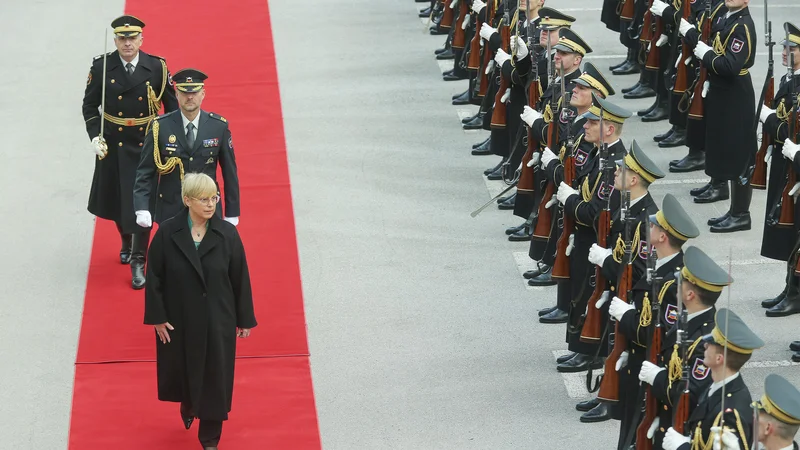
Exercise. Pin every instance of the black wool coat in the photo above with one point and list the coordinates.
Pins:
(205, 295)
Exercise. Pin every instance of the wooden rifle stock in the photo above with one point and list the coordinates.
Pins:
(647, 26)
(561, 264)
(681, 413)
(545, 217)
(474, 60)
(592, 330)
(759, 180)
(697, 107)
(651, 404)
(609, 387)
(526, 179)
(499, 118)
(628, 10)
(786, 215)
(483, 81)
(447, 17)
(682, 74)
(654, 55)
(459, 35)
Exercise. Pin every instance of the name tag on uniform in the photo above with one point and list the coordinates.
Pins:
(171, 147)
(211, 142)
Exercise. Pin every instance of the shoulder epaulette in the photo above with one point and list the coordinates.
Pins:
(218, 117)
(166, 115)
(156, 56)
(100, 56)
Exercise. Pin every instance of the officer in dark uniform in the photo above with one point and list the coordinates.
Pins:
(699, 287)
(778, 414)
(776, 124)
(137, 84)
(670, 229)
(728, 419)
(186, 141)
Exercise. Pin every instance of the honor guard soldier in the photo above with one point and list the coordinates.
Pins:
(136, 86)
(778, 414)
(189, 140)
(670, 229)
(724, 412)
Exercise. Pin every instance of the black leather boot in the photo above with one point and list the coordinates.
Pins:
(617, 66)
(543, 279)
(631, 65)
(540, 269)
(695, 160)
(770, 302)
(483, 150)
(462, 98)
(580, 363)
(546, 311)
(643, 91)
(565, 358)
(426, 12)
(676, 139)
(718, 191)
(481, 143)
(447, 54)
(125, 250)
(524, 234)
(555, 316)
(659, 112)
(478, 115)
(739, 218)
(788, 306)
(600, 413)
(512, 230)
(628, 89)
(662, 136)
(138, 258)
(694, 192)
(587, 405)
(475, 124)
(508, 204)
(495, 168)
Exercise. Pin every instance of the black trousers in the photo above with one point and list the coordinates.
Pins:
(209, 432)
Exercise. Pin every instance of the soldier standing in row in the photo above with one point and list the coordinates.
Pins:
(137, 84)
(778, 414)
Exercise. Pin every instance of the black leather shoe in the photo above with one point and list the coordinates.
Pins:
(661, 137)
(505, 199)
(544, 279)
(770, 302)
(522, 235)
(546, 311)
(796, 357)
(660, 112)
(564, 358)
(462, 99)
(694, 192)
(617, 66)
(676, 139)
(634, 87)
(481, 152)
(472, 118)
(125, 251)
(187, 417)
(629, 68)
(495, 168)
(425, 12)
(646, 111)
(689, 163)
(558, 316)
(587, 405)
(496, 175)
(480, 144)
(512, 230)
(137, 274)
(598, 414)
(788, 306)
(794, 346)
(475, 124)
(580, 363)
(738, 222)
(715, 193)
(437, 31)
(715, 220)
(642, 91)
(447, 54)
(441, 50)
(540, 269)
(454, 77)
(508, 204)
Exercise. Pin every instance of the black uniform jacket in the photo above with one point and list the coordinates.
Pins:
(737, 415)
(212, 145)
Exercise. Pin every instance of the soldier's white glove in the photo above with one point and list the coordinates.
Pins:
(477, 6)
(487, 31)
(790, 149)
(529, 115)
(99, 146)
(622, 361)
(673, 440)
(602, 300)
(701, 49)
(653, 427)
(768, 154)
(500, 57)
(571, 245)
(506, 95)
(597, 254)
(489, 67)
(465, 22)
(232, 220)
(794, 190)
(658, 8)
(453, 4)
(649, 372)
(565, 192)
(143, 219)
(619, 307)
(553, 201)
(684, 27)
(519, 46)
(547, 157)
(724, 439)
(706, 85)
(662, 40)
(534, 159)
(766, 111)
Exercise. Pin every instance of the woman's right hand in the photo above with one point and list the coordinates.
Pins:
(161, 331)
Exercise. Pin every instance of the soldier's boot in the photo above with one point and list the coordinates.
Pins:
(694, 160)
(790, 303)
(770, 302)
(125, 250)
(717, 191)
(138, 258)
(739, 215)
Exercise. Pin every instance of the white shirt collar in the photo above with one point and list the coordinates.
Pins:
(134, 61)
(695, 314)
(636, 200)
(196, 123)
(790, 447)
(661, 261)
(717, 385)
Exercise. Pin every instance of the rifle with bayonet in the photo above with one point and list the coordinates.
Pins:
(460, 35)
(697, 108)
(561, 264)
(756, 169)
(682, 344)
(474, 60)
(527, 182)
(499, 117)
(682, 69)
(484, 80)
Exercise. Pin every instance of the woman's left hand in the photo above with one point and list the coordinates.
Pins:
(243, 332)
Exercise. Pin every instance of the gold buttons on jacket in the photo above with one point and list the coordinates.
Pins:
(161, 195)
(120, 114)
(112, 80)
(191, 159)
(140, 98)
(141, 128)
(140, 144)
(141, 114)
(119, 98)
(120, 144)
(120, 128)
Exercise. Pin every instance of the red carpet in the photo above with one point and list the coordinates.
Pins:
(115, 405)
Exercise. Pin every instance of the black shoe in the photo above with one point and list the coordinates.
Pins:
(643, 91)
(496, 175)
(716, 220)
(796, 357)
(770, 302)
(738, 222)
(475, 124)
(689, 163)
(715, 193)
(629, 68)
(447, 54)
(617, 66)
(661, 137)
(546, 311)
(544, 279)
(794, 346)
(438, 31)
(790, 305)
(425, 12)
(556, 316)
(125, 251)
(508, 204)
(454, 76)
(495, 168)
(564, 358)
(579, 363)
(512, 230)
(462, 99)
(505, 199)
(660, 112)
(587, 405)
(187, 417)
(481, 152)
(472, 118)
(481, 144)
(598, 414)
(677, 139)
(139, 245)
(441, 50)
(697, 191)
(137, 274)
(540, 269)
(632, 88)
(522, 235)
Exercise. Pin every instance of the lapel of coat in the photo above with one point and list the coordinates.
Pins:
(182, 237)
(211, 239)
(177, 119)
(143, 71)
(115, 71)
(201, 132)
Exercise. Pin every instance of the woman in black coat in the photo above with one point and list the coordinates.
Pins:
(198, 298)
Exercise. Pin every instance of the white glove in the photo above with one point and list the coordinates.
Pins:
(701, 49)
(684, 27)
(534, 159)
(506, 95)
(619, 307)
(662, 40)
(794, 190)
(724, 439)
(547, 157)
(553, 201)
(571, 245)
(768, 154)
(790, 149)
(653, 427)
(232, 220)
(706, 85)
(766, 111)
(489, 67)
(649, 372)
(673, 440)
(658, 8)
(465, 22)
(143, 219)
(453, 4)
(622, 361)
(500, 57)
(519, 46)
(529, 115)
(477, 6)
(565, 192)
(602, 300)
(597, 254)
(99, 146)
(487, 31)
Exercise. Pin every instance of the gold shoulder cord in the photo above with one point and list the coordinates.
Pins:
(697, 441)
(164, 169)
(619, 248)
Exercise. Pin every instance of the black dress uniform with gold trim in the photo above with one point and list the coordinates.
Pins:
(132, 102)
(167, 156)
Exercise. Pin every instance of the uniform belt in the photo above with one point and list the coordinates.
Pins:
(128, 122)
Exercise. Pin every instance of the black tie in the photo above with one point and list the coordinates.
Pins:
(130, 68)
(190, 134)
